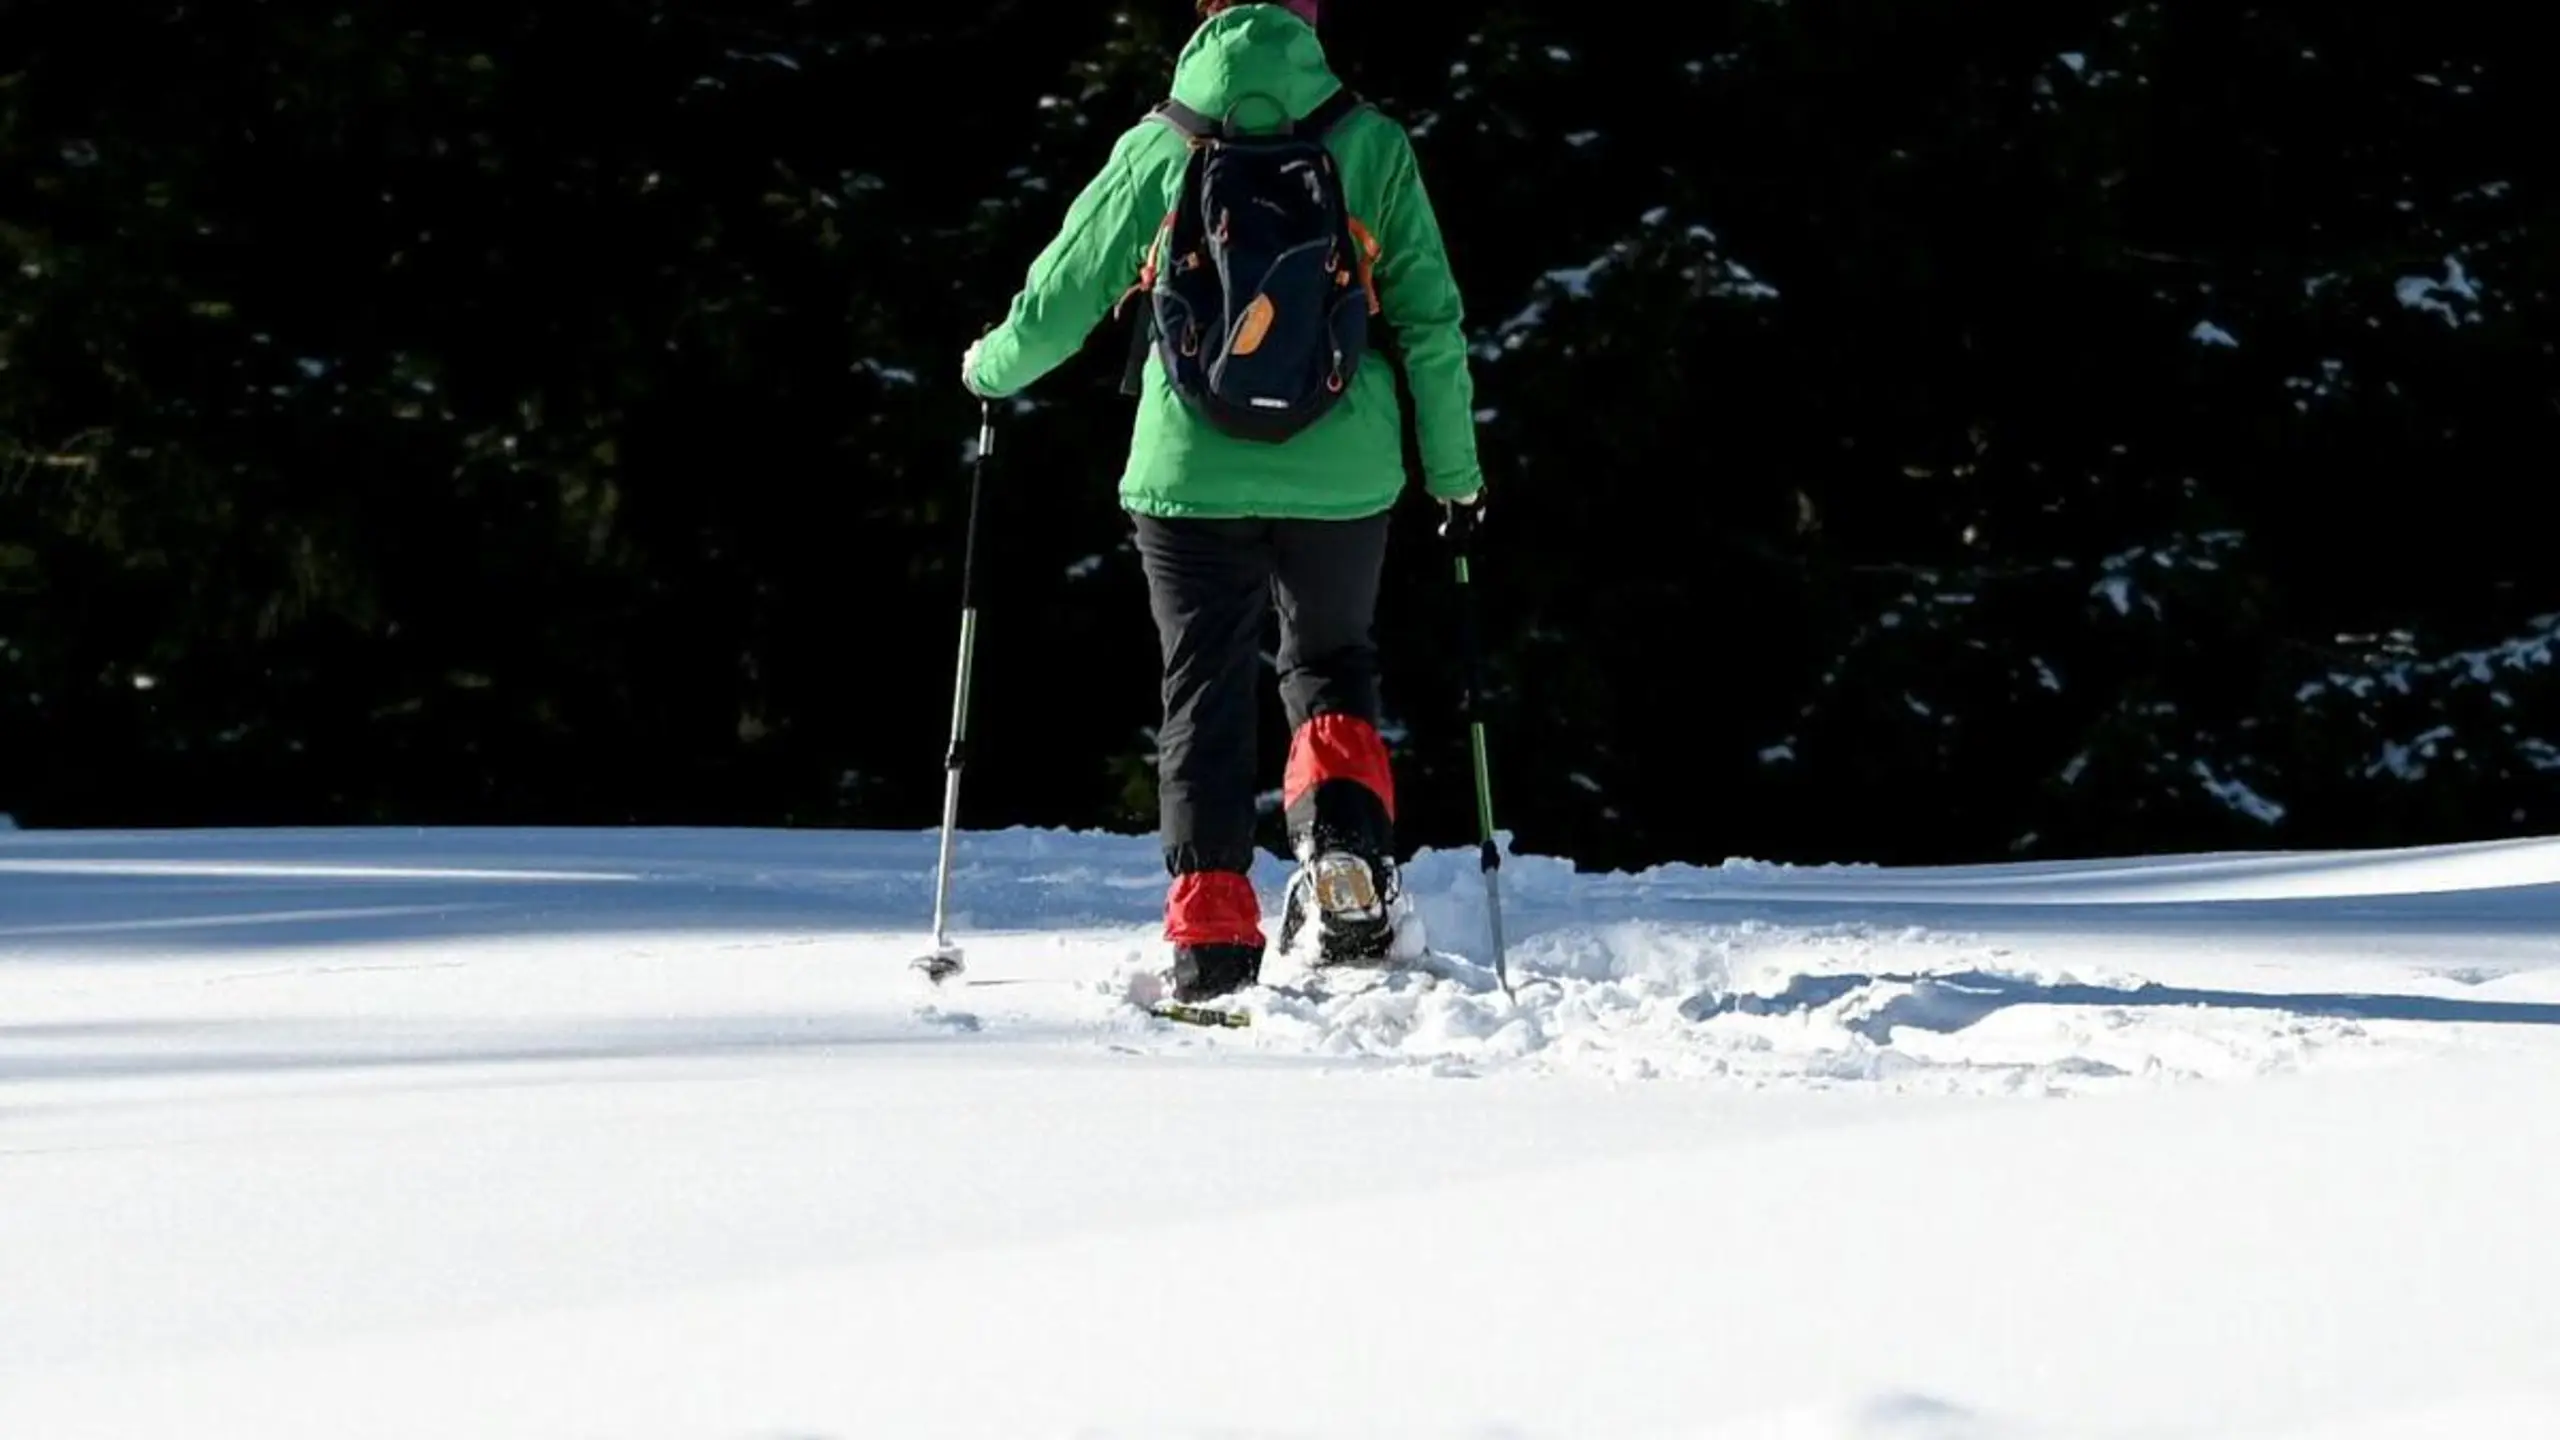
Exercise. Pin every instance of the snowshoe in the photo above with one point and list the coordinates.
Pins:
(1202, 985)
(1212, 1016)
(1205, 972)
(1357, 912)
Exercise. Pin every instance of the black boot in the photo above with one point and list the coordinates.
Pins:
(1205, 972)
(1352, 900)
(1345, 886)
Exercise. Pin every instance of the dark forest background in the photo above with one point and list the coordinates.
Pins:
(1916, 431)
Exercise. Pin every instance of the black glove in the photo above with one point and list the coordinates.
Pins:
(1460, 519)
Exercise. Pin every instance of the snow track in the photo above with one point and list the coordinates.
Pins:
(1956, 995)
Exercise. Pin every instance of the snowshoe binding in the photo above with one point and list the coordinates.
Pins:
(1205, 975)
(1357, 911)
(1207, 972)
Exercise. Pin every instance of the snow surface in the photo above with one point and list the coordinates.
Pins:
(652, 1134)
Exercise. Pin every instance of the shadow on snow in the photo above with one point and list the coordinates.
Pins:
(135, 1049)
(1948, 1002)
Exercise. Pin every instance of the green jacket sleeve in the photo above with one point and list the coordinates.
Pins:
(1074, 281)
(1419, 297)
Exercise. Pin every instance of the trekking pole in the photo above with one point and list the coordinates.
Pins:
(1460, 528)
(945, 960)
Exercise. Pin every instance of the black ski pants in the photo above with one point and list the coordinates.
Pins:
(1213, 586)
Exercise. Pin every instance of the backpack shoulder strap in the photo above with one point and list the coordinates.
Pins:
(1314, 125)
(1337, 108)
(1193, 127)
(1191, 123)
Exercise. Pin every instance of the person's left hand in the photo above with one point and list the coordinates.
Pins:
(1461, 517)
(969, 368)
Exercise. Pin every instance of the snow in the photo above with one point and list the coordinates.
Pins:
(2200, 551)
(2483, 665)
(1740, 283)
(1575, 280)
(2238, 795)
(1717, 275)
(652, 1134)
(2392, 664)
(2423, 292)
(2208, 333)
(2408, 760)
(2332, 375)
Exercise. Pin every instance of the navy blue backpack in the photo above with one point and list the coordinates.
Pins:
(1259, 285)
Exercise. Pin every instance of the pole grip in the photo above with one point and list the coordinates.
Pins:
(977, 488)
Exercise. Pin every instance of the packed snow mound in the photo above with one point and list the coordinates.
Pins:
(1764, 975)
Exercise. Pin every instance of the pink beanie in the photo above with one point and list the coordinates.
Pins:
(1303, 9)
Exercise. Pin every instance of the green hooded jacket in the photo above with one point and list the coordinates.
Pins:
(1348, 464)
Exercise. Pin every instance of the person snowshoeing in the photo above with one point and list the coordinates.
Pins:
(1265, 459)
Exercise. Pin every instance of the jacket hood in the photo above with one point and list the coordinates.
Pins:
(1251, 62)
